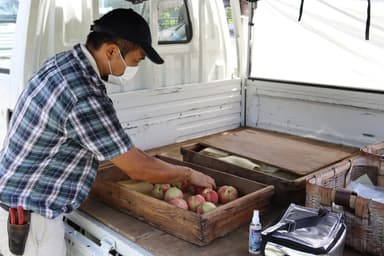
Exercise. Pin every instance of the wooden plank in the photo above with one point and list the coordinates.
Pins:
(292, 153)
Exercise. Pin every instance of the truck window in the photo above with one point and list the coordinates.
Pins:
(174, 22)
(228, 13)
(8, 14)
(107, 5)
(174, 25)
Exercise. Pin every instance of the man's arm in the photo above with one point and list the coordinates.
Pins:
(141, 166)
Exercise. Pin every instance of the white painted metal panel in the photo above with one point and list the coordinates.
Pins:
(339, 116)
(163, 116)
(79, 243)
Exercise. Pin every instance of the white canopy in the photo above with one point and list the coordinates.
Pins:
(328, 46)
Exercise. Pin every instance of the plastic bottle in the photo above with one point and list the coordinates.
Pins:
(255, 234)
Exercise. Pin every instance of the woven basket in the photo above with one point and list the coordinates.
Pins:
(376, 151)
(364, 217)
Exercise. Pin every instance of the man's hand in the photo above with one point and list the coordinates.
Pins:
(141, 166)
(200, 179)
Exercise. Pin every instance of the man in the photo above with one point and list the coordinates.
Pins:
(64, 124)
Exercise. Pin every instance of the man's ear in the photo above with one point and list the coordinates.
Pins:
(110, 49)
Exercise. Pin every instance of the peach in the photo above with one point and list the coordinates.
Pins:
(179, 202)
(194, 201)
(173, 193)
(205, 207)
(159, 190)
(210, 195)
(227, 193)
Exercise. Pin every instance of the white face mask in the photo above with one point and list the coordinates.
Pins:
(128, 74)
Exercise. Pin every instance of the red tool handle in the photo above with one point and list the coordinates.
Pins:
(12, 215)
(20, 214)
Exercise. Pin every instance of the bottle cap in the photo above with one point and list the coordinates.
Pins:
(255, 218)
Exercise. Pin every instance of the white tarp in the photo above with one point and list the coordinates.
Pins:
(327, 46)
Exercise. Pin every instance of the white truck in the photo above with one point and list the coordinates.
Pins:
(228, 64)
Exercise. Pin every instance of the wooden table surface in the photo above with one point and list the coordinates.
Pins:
(163, 244)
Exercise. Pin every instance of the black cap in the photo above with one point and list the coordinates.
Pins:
(128, 25)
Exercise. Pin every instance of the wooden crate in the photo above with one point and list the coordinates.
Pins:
(295, 157)
(364, 216)
(190, 226)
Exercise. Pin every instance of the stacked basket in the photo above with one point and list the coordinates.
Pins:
(364, 217)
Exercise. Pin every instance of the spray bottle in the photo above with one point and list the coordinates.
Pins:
(255, 234)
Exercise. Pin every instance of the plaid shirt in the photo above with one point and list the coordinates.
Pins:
(63, 125)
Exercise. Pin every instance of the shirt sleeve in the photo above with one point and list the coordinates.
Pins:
(94, 124)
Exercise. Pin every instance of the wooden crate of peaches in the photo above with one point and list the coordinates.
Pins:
(195, 214)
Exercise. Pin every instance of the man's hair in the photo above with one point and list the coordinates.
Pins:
(96, 39)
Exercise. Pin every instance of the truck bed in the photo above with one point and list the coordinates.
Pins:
(158, 242)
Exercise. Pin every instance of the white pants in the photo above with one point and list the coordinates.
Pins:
(46, 236)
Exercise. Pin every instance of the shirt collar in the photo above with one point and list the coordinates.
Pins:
(90, 58)
(89, 65)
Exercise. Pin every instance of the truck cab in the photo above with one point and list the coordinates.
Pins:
(312, 70)
(199, 60)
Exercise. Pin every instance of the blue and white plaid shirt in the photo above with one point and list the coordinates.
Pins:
(63, 125)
